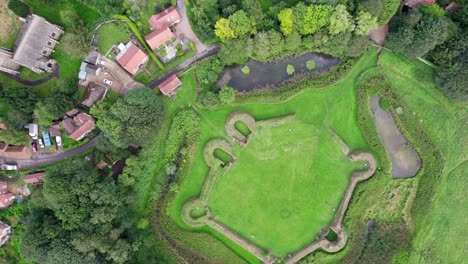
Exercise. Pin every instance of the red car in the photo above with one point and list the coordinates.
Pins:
(34, 146)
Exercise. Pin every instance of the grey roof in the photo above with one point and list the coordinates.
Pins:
(36, 41)
(92, 57)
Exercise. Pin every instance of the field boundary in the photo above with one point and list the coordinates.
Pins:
(217, 168)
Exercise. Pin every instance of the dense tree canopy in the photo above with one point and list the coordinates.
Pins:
(80, 221)
(286, 19)
(340, 21)
(132, 120)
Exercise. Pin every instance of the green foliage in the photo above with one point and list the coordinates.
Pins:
(50, 109)
(209, 99)
(310, 64)
(245, 70)
(208, 71)
(286, 19)
(14, 137)
(236, 51)
(180, 53)
(357, 45)
(223, 30)
(432, 10)
(164, 53)
(19, 8)
(241, 24)
(21, 101)
(290, 69)
(374, 7)
(227, 95)
(340, 21)
(81, 223)
(389, 10)
(312, 18)
(414, 36)
(132, 120)
(143, 224)
(365, 23)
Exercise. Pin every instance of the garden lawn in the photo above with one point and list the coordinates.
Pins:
(112, 34)
(283, 188)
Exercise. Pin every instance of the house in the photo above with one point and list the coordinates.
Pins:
(35, 43)
(34, 178)
(72, 112)
(160, 24)
(89, 66)
(3, 187)
(55, 129)
(131, 57)
(157, 38)
(79, 126)
(170, 86)
(5, 232)
(6, 199)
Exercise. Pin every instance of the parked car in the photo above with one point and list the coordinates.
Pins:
(41, 143)
(34, 147)
(58, 140)
(107, 82)
(9, 167)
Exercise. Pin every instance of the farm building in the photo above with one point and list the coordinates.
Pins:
(131, 57)
(34, 178)
(79, 126)
(160, 24)
(170, 85)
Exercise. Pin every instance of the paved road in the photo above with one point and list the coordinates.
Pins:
(208, 52)
(35, 162)
(54, 74)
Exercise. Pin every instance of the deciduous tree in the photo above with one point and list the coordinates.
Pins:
(286, 19)
(365, 23)
(340, 21)
(223, 30)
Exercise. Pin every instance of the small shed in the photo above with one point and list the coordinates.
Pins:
(170, 86)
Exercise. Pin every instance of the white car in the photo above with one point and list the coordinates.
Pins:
(107, 82)
(58, 140)
(102, 62)
(8, 167)
(41, 143)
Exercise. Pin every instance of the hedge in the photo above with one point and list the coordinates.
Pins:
(19, 8)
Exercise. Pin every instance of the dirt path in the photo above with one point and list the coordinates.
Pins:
(379, 35)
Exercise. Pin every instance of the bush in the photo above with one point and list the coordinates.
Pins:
(310, 64)
(143, 224)
(192, 46)
(290, 69)
(227, 95)
(245, 70)
(209, 99)
(180, 53)
(19, 8)
(163, 53)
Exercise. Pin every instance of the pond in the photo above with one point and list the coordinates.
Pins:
(274, 74)
(405, 160)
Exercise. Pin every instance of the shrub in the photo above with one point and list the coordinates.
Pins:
(290, 69)
(192, 45)
(179, 46)
(143, 224)
(19, 8)
(209, 99)
(227, 95)
(245, 70)
(163, 53)
(180, 53)
(310, 64)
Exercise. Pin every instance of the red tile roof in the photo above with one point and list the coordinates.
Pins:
(170, 85)
(81, 118)
(68, 125)
(6, 200)
(55, 130)
(3, 187)
(72, 112)
(159, 37)
(34, 178)
(12, 151)
(82, 130)
(164, 19)
(132, 58)
(102, 164)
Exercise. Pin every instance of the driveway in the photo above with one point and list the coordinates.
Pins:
(36, 162)
(184, 30)
(126, 81)
(54, 74)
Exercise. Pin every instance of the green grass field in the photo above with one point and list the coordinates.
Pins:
(283, 187)
(442, 232)
(112, 34)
